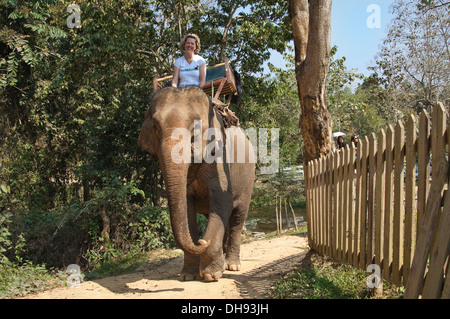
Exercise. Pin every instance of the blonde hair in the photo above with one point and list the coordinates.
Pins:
(193, 36)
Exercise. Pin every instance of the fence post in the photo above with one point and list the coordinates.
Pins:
(398, 204)
(363, 199)
(423, 180)
(371, 199)
(410, 198)
(345, 224)
(330, 203)
(379, 199)
(351, 203)
(356, 229)
(336, 204)
(389, 204)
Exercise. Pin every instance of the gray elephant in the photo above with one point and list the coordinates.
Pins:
(220, 188)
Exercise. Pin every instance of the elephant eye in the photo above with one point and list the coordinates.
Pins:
(156, 125)
(155, 122)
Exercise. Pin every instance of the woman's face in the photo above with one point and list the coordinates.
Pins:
(190, 45)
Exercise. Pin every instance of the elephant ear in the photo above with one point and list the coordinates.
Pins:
(148, 135)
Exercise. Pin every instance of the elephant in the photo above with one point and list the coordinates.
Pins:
(220, 189)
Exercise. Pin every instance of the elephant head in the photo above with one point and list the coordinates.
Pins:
(173, 109)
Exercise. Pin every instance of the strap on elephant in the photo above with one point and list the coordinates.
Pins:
(228, 116)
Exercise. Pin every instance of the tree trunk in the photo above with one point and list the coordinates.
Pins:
(293, 215)
(311, 26)
(106, 224)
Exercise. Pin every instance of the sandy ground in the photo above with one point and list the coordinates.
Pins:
(262, 262)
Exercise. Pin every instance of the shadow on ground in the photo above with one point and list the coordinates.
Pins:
(157, 276)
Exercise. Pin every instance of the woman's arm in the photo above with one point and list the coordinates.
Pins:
(176, 74)
(202, 77)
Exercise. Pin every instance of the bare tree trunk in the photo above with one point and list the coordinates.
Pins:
(106, 223)
(276, 214)
(281, 217)
(288, 224)
(311, 25)
(293, 215)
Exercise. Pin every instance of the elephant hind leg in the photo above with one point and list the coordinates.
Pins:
(232, 243)
(230, 263)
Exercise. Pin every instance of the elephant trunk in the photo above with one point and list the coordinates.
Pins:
(175, 179)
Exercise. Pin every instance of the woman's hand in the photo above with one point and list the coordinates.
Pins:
(176, 74)
(202, 77)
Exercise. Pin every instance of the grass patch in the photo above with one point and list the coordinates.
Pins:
(130, 263)
(321, 278)
(20, 280)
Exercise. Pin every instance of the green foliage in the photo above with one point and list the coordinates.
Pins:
(18, 280)
(19, 276)
(5, 242)
(149, 229)
(354, 112)
(320, 283)
(154, 230)
(412, 64)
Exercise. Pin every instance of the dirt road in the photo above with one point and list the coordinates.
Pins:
(263, 261)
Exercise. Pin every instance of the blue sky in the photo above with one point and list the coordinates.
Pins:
(350, 32)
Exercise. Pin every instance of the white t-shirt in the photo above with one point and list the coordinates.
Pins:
(189, 73)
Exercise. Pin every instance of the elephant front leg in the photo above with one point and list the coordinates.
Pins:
(191, 264)
(212, 261)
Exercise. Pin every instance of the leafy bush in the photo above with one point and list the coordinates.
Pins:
(153, 229)
(76, 233)
(19, 276)
(18, 279)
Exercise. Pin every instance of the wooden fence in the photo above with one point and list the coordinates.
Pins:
(381, 204)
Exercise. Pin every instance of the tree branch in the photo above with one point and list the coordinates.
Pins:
(225, 32)
(299, 14)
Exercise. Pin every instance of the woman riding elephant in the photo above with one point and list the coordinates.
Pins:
(190, 69)
(220, 189)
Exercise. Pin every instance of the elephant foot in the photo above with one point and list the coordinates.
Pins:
(233, 265)
(189, 274)
(211, 276)
(213, 270)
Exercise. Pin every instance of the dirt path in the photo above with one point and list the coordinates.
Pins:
(263, 261)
